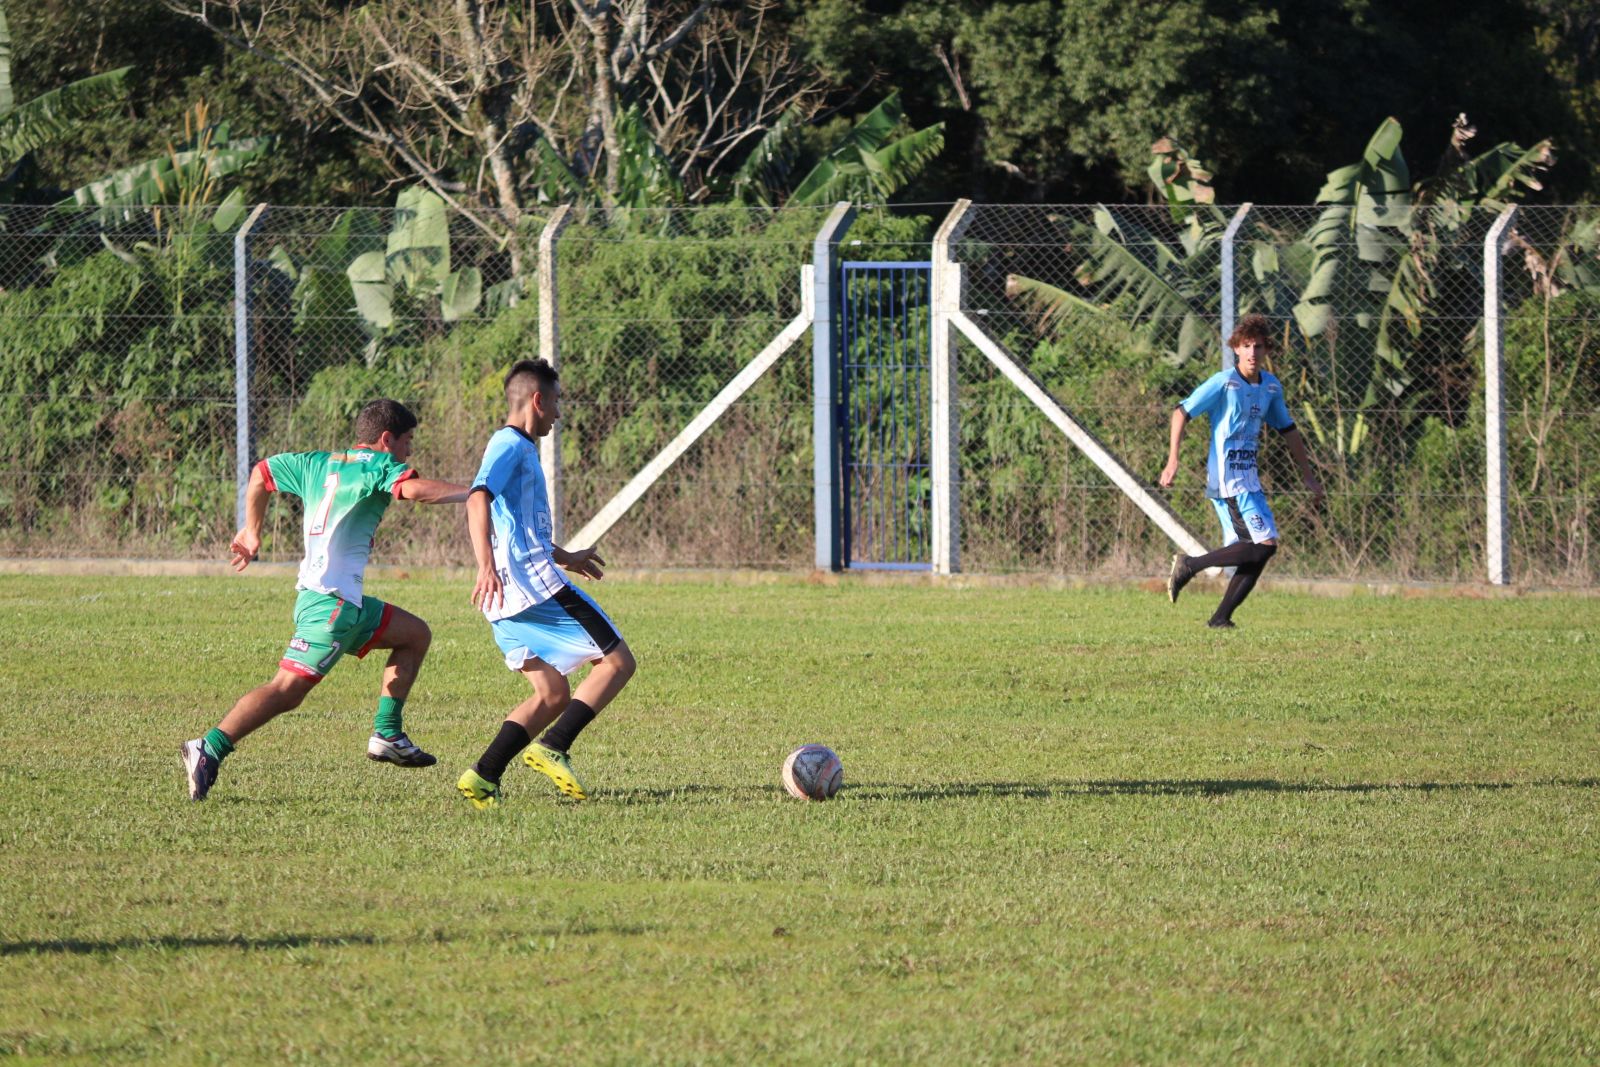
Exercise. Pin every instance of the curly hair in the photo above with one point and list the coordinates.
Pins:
(1257, 328)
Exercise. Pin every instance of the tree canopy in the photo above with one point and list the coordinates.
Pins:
(1037, 99)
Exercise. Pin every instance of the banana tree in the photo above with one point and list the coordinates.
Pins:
(46, 119)
(382, 288)
(187, 175)
(1131, 269)
(1392, 295)
(873, 161)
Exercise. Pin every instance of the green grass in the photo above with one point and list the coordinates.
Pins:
(1078, 826)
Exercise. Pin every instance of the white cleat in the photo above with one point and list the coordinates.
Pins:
(400, 751)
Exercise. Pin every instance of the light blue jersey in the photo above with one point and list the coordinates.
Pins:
(1236, 409)
(519, 513)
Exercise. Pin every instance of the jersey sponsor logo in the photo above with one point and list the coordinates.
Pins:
(299, 644)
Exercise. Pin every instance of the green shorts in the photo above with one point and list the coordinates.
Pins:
(326, 627)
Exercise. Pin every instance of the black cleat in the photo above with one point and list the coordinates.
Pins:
(1178, 577)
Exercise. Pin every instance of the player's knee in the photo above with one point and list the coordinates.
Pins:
(417, 637)
(553, 692)
(622, 661)
(1268, 550)
(290, 690)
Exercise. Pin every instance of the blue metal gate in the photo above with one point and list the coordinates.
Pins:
(885, 329)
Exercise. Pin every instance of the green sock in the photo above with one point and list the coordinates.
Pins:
(387, 721)
(217, 744)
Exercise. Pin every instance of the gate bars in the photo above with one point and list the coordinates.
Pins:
(819, 283)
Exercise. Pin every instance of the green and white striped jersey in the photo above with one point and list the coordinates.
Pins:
(345, 495)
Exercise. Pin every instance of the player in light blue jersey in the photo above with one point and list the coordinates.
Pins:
(1237, 402)
(545, 627)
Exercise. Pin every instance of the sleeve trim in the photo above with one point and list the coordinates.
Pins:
(266, 476)
(410, 473)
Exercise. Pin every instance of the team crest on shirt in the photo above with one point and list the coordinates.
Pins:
(299, 644)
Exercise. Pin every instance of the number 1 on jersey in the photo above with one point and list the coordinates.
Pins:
(330, 486)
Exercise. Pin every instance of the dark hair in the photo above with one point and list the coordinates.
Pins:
(526, 377)
(1257, 328)
(381, 415)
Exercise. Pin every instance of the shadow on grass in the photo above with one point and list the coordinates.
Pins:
(1198, 787)
(690, 793)
(74, 947)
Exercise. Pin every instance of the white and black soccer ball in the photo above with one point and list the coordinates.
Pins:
(812, 772)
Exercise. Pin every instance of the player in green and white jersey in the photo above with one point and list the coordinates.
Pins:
(345, 495)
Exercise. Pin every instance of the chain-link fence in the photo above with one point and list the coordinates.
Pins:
(119, 335)
(116, 346)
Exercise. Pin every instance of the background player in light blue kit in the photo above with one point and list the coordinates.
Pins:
(1237, 402)
(545, 627)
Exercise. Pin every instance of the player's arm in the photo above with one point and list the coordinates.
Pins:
(246, 544)
(430, 491)
(585, 561)
(1302, 460)
(487, 592)
(1180, 419)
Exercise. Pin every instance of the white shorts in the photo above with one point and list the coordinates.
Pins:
(566, 631)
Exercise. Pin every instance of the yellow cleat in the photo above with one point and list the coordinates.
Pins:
(555, 766)
(478, 789)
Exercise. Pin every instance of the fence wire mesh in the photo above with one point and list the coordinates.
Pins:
(424, 306)
(659, 311)
(116, 331)
(1378, 316)
(1551, 299)
(117, 339)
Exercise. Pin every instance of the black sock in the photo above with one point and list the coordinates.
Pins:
(1238, 553)
(511, 739)
(566, 729)
(1244, 580)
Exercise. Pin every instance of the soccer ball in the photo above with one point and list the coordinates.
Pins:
(812, 772)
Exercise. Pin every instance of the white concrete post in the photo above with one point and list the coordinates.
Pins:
(946, 282)
(1494, 430)
(1230, 306)
(242, 336)
(825, 360)
(550, 351)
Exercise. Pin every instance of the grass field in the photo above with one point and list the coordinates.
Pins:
(1077, 826)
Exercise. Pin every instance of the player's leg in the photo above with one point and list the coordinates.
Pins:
(406, 637)
(585, 634)
(481, 782)
(522, 639)
(203, 756)
(603, 682)
(1251, 514)
(1184, 568)
(1239, 547)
